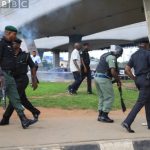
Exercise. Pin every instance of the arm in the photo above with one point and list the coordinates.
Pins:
(128, 72)
(76, 64)
(82, 62)
(34, 78)
(128, 67)
(116, 77)
(33, 72)
(112, 63)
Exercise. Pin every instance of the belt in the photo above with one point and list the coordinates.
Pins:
(102, 76)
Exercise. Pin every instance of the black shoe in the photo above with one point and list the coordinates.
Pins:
(71, 92)
(100, 114)
(4, 122)
(36, 115)
(26, 122)
(89, 92)
(104, 118)
(127, 127)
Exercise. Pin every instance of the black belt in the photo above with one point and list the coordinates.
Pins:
(102, 76)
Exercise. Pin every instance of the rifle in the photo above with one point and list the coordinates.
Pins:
(123, 106)
(3, 98)
(3, 92)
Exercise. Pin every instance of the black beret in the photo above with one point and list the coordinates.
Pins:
(11, 28)
(18, 41)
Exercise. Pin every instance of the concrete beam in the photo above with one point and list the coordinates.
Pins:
(147, 14)
(56, 59)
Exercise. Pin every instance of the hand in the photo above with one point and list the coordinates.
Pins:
(34, 83)
(2, 81)
(119, 84)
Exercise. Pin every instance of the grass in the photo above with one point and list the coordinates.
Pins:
(54, 95)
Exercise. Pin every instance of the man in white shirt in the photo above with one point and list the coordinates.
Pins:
(36, 59)
(75, 64)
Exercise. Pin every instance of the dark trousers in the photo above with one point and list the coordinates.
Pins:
(75, 85)
(144, 100)
(22, 83)
(88, 76)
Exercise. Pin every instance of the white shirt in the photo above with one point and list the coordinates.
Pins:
(36, 59)
(74, 56)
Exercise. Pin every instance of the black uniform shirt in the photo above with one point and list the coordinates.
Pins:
(23, 60)
(86, 58)
(140, 61)
(7, 58)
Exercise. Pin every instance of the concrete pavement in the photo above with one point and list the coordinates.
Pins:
(52, 131)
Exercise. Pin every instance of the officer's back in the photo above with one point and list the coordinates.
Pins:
(140, 61)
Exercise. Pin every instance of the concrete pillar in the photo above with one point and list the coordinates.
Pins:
(147, 14)
(72, 39)
(56, 59)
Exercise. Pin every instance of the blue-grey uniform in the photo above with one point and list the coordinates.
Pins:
(140, 62)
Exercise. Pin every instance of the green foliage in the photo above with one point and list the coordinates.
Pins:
(54, 95)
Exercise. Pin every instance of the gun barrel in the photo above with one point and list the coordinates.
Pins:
(3, 99)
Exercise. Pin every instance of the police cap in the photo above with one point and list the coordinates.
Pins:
(11, 28)
(18, 41)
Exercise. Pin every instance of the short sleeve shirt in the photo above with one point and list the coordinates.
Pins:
(140, 61)
(74, 56)
(36, 59)
(111, 60)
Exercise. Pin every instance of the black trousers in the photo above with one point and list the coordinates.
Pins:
(144, 100)
(22, 83)
(88, 76)
(75, 85)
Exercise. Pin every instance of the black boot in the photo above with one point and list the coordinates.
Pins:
(104, 118)
(26, 122)
(36, 114)
(4, 121)
(127, 127)
(100, 114)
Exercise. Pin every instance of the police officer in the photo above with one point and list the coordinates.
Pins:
(140, 62)
(85, 66)
(7, 64)
(106, 69)
(23, 61)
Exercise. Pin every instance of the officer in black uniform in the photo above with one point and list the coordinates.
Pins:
(85, 66)
(140, 62)
(23, 61)
(8, 64)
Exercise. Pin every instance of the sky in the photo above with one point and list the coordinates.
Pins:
(127, 52)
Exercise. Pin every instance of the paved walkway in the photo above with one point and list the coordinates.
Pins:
(68, 128)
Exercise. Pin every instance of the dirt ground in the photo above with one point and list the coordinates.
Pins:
(47, 113)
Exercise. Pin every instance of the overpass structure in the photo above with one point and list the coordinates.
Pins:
(76, 19)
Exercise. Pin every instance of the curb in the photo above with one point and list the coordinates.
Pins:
(97, 145)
